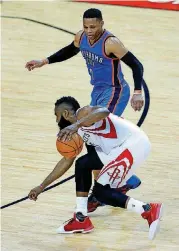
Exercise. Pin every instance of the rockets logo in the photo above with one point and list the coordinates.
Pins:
(115, 172)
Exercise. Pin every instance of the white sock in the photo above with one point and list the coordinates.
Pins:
(135, 206)
(81, 205)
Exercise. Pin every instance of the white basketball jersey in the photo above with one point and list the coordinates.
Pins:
(108, 133)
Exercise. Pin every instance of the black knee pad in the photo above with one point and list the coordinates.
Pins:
(109, 196)
(83, 174)
(80, 164)
(83, 169)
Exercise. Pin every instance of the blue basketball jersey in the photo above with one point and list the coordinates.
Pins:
(102, 69)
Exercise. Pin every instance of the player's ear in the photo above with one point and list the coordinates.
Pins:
(66, 114)
(102, 23)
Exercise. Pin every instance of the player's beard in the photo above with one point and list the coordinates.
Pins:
(63, 123)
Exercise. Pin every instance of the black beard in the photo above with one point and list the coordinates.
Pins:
(63, 123)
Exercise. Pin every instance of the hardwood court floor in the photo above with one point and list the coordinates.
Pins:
(29, 129)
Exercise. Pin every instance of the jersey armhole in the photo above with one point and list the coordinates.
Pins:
(82, 34)
(111, 56)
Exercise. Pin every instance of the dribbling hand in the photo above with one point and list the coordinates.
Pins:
(66, 133)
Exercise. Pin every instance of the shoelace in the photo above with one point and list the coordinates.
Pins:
(69, 221)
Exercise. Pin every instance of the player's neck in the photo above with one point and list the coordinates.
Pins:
(92, 41)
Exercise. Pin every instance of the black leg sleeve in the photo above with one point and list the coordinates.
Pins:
(83, 170)
(109, 196)
(83, 175)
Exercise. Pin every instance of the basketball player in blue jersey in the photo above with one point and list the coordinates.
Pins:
(103, 52)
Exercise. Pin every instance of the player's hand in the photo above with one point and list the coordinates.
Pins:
(35, 64)
(66, 133)
(35, 192)
(137, 101)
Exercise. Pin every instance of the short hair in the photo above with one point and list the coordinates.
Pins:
(93, 13)
(69, 101)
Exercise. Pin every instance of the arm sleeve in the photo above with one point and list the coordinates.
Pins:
(137, 69)
(65, 53)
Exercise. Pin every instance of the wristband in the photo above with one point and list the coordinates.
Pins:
(45, 61)
(137, 91)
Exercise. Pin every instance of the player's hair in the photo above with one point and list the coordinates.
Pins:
(69, 101)
(93, 13)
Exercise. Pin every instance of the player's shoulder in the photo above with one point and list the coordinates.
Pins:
(83, 111)
(78, 36)
(116, 118)
(112, 40)
(79, 33)
(113, 116)
(115, 46)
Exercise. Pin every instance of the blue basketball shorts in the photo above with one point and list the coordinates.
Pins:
(115, 98)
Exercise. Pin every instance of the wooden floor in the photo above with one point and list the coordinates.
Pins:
(29, 128)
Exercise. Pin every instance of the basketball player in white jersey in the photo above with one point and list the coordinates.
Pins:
(120, 147)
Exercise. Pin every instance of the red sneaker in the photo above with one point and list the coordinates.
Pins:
(75, 226)
(153, 216)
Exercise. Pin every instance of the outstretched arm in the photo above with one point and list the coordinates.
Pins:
(63, 54)
(61, 167)
(67, 52)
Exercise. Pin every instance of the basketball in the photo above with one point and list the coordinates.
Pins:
(70, 148)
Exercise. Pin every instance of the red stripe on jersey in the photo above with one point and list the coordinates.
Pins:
(112, 134)
(102, 127)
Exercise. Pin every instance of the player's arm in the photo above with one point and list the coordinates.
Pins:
(114, 46)
(67, 52)
(63, 54)
(86, 116)
(89, 115)
(61, 167)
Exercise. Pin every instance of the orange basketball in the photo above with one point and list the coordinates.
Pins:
(70, 148)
